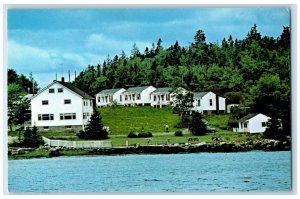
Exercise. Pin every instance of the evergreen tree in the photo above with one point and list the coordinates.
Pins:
(197, 126)
(274, 129)
(31, 138)
(94, 129)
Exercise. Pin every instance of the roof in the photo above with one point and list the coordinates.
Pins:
(136, 89)
(69, 86)
(75, 89)
(247, 117)
(199, 94)
(109, 91)
(163, 90)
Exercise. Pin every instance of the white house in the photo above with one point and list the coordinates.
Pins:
(108, 96)
(161, 97)
(138, 96)
(207, 102)
(61, 106)
(252, 123)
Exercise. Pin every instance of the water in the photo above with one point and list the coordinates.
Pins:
(198, 172)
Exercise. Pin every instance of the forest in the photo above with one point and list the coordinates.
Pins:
(254, 72)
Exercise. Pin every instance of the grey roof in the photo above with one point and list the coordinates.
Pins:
(69, 86)
(138, 89)
(247, 117)
(199, 94)
(109, 91)
(163, 90)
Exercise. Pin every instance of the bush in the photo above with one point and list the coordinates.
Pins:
(31, 138)
(132, 135)
(145, 134)
(178, 133)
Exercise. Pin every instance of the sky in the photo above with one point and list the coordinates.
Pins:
(46, 42)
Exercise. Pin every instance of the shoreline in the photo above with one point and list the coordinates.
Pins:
(214, 147)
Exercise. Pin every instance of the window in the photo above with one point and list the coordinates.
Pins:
(68, 127)
(60, 90)
(210, 102)
(84, 115)
(67, 116)
(264, 124)
(44, 102)
(199, 103)
(162, 98)
(67, 101)
(168, 97)
(126, 98)
(51, 90)
(154, 99)
(138, 96)
(110, 99)
(91, 103)
(45, 117)
(46, 128)
(98, 99)
(120, 98)
(245, 125)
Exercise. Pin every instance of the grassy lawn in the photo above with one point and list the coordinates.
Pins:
(122, 120)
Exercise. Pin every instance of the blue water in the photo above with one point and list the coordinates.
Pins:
(198, 172)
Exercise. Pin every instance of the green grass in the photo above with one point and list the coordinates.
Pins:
(218, 121)
(122, 120)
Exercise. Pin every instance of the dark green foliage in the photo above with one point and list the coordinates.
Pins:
(197, 125)
(31, 138)
(274, 130)
(145, 134)
(132, 135)
(94, 129)
(178, 133)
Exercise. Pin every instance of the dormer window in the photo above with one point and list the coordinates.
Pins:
(60, 90)
(51, 90)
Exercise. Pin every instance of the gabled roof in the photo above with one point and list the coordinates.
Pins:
(199, 94)
(163, 90)
(109, 91)
(138, 89)
(247, 117)
(68, 85)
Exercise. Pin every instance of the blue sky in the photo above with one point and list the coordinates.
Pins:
(50, 41)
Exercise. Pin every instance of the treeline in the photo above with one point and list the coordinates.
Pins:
(253, 72)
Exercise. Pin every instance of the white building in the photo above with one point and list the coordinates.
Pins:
(61, 106)
(206, 103)
(108, 96)
(252, 123)
(161, 97)
(138, 96)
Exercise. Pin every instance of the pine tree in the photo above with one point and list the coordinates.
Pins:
(94, 129)
(31, 138)
(197, 126)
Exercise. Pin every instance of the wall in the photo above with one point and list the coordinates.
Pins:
(77, 144)
(255, 123)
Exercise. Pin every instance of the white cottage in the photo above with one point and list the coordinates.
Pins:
(61, 106)
(138, 96)
(207, 102)
(108, 96)
(252, 123)
(161, 97)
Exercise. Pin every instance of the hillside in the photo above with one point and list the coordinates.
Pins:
(122, 120)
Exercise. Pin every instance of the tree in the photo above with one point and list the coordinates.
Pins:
(17, 105)
(94, 129)
(197, 126)
(183, 101)
(274, 129)
(31, 138)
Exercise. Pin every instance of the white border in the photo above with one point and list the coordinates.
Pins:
(161, 3)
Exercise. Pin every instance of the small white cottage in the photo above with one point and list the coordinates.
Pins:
(138, 96)
(108, 96)
(252, 123)
(161, 97)
(61, 106)
(207, 102)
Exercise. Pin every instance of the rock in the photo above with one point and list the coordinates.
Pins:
(53, 152)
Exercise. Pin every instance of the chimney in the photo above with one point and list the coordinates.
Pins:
(62, 79)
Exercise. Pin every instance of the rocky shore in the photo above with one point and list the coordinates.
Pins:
(262, 145)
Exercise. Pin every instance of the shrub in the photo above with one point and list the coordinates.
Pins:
(132, 135)
(31, 138)
(145, 134)
(178, 133)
